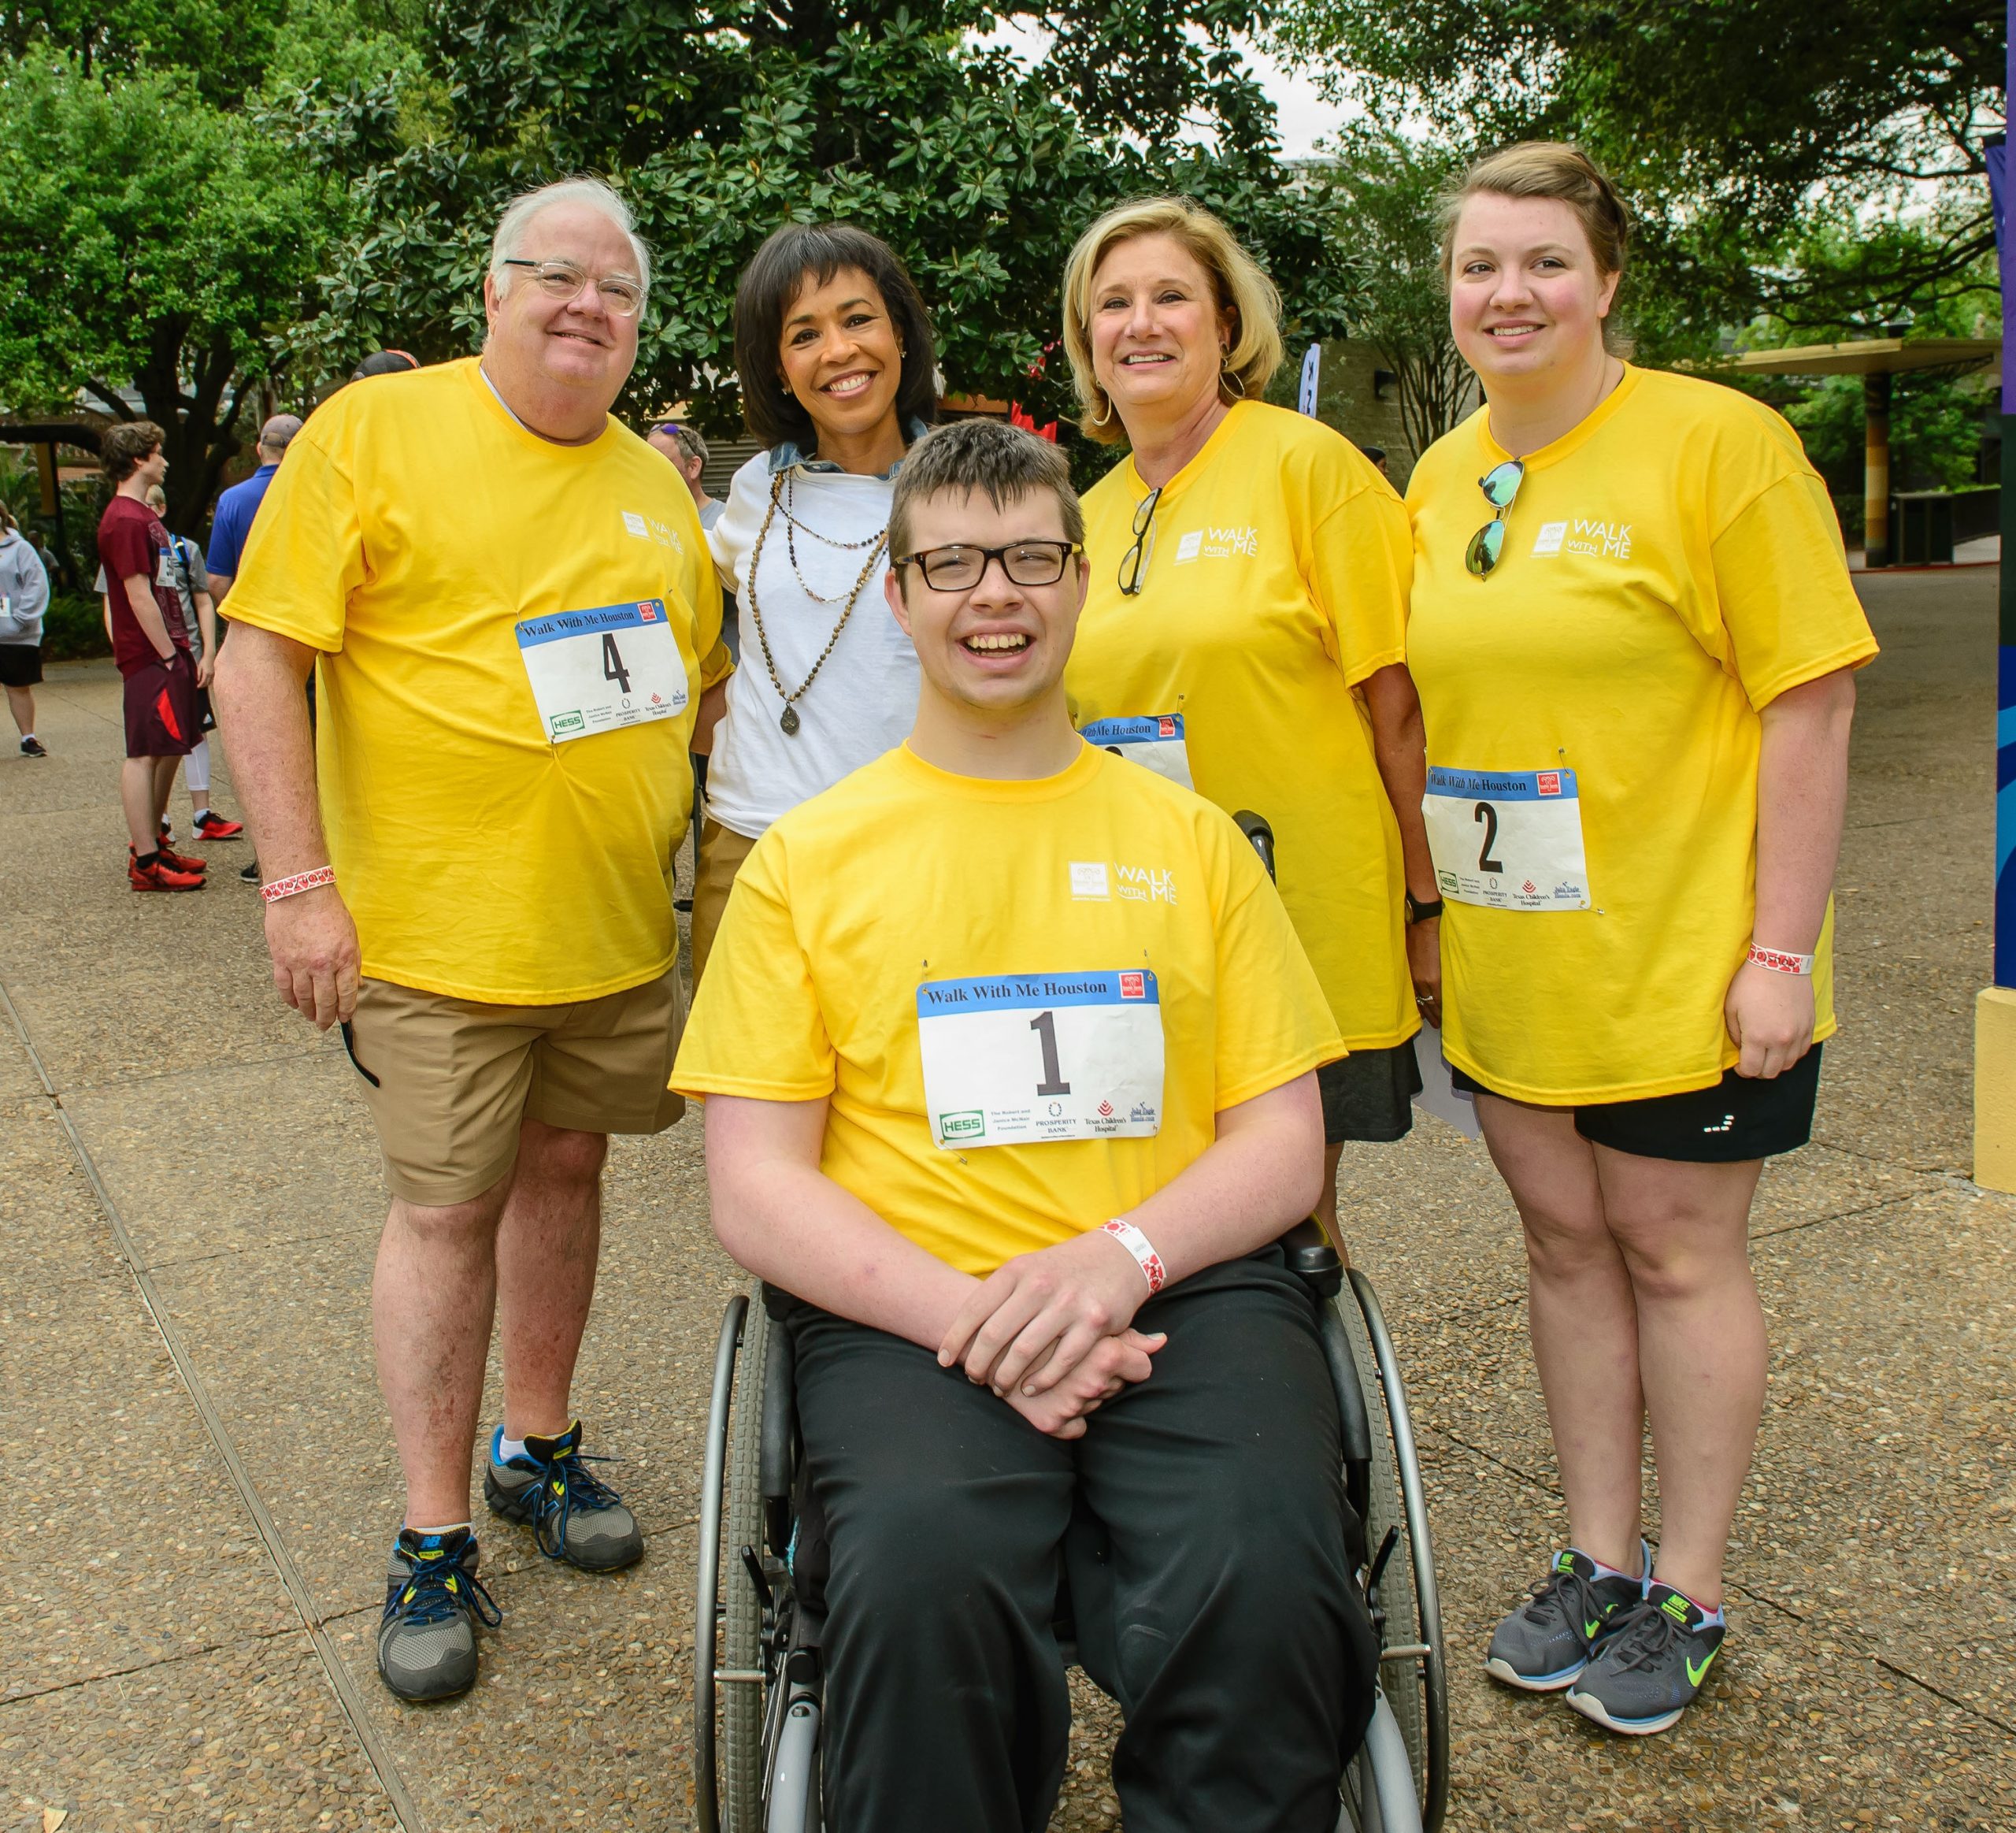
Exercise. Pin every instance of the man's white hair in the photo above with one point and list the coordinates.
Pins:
(509, 242)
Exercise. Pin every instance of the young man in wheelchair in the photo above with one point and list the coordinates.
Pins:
(1008, 1051)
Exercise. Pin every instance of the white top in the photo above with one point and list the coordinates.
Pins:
(865, 698)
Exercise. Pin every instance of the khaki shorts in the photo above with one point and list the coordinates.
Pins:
(449, 1081)
(721, 852)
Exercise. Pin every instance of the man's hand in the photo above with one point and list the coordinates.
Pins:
(1031, 1323)
(313, 944)
(206, 667)
(1060, 1410)
(1424, 966)
(1770, 1017)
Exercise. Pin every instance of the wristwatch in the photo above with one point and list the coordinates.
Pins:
(1417, 912)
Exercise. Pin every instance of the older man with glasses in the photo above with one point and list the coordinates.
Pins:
(508, 602)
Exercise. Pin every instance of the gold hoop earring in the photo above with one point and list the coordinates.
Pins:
(1232, 384)
(1105, 419)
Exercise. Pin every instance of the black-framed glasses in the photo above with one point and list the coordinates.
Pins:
(961, 566)
(1134, 562)
(1500, 485)
(563, 279)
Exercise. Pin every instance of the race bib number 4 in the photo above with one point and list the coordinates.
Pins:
(1024, 1059)
(1509, 839)
(600, 671)
(1156, 742)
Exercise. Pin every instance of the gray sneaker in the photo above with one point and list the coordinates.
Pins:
(433, 1600)
(1542, 1645)
(1651, 1666)
(575, 1515)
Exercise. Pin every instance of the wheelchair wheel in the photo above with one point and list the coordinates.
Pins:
(741, 1700)
(1411, 1673)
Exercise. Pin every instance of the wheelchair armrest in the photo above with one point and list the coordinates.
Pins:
(1311, 1258)
(777, 1456)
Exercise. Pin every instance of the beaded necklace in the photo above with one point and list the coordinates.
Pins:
(790, 720)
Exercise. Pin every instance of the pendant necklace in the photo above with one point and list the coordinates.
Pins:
(790, 721)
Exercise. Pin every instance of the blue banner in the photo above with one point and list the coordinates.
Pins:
(994, 992)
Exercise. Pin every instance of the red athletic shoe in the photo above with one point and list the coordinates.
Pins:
(210, 825)
(170, 858)
(160, 876)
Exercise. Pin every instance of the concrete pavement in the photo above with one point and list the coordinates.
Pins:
(202, 1482)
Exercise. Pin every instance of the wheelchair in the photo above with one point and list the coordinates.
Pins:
(758, 1674)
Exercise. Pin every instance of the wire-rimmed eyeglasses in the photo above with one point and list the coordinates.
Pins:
(563, 279)
(1500, 485)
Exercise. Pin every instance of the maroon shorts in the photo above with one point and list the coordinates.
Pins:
(161, 719)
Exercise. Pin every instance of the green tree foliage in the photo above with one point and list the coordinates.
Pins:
(1723, 123)
(720, 119)
(148, 238)
(1384, 187)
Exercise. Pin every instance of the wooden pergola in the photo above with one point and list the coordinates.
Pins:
(1875, 360)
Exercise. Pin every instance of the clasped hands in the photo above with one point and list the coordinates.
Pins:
(1051, 1332)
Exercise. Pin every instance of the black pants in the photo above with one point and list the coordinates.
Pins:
(1201, 1520)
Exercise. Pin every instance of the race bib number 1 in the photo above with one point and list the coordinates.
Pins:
(1023, 1059)
(1508, 839)
(600, 671)
(1156, 742)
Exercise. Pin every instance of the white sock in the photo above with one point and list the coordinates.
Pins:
(508, 1449)
(196, 767)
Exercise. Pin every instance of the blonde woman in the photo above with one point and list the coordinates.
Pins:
(1635, 639)
(1245, 627)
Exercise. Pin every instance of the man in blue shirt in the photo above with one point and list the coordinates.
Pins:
(237, 504)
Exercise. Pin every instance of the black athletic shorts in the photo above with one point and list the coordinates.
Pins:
(20, 664)
(1369, 1095)
(1739, 1117)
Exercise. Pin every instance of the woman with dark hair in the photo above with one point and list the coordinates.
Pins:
(838, 374)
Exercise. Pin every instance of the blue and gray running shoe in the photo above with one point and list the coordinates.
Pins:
(433, 1602)
(1544, 1645)
(1651, 1665)
(577, 1517)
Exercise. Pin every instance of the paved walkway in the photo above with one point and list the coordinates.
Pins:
(202, 1482)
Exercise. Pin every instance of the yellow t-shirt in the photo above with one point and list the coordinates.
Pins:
(1277, 581)
(425, 542)
(1670, 567)
(974, 970)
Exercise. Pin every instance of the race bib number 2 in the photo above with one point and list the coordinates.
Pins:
(1156, 742)
(1024, 1059)
(1508, 839)
(600, 671)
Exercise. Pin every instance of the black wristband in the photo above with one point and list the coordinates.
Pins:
(1418, 912)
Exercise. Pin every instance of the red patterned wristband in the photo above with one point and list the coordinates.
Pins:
(1141, 1249)
(1779, 961)
(301, 881)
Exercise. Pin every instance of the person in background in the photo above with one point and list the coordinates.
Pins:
(688, 453)
(191, 581)
(232, 525)
(1375, 456)
(24, 598)
(839, 373)
(1245, 630)
(151, 643)
(384, 362)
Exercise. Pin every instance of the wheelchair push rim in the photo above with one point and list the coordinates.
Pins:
(1429, 1652)
(712, 1497)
